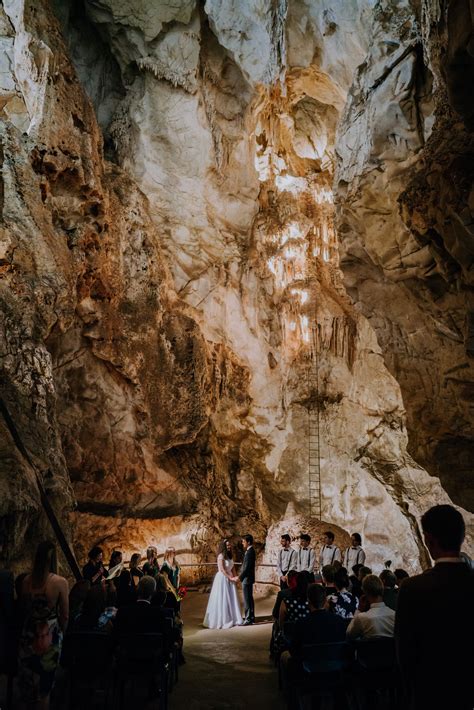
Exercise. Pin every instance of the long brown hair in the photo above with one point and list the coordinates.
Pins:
(45, 562)
(222, 550)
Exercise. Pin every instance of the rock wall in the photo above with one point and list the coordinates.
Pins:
(170, 270)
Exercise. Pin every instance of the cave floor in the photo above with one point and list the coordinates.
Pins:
(226, 669)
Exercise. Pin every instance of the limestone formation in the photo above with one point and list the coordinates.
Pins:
(180, 285)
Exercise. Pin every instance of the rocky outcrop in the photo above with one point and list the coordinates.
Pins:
(404, 187)
(172, 299)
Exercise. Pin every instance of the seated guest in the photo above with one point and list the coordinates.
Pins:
(135, 572)
(355, 584)
(171, 567)
(140, 616)
(126, 593)
(283, 593)
(116, 558)
(98, 610)
(343, 602)
(373, 618)
(77, 597)
(390, 591)
(320, 626)
(94, 570)
(434, 628)
(400, 575)
(328, 572)
(295, 606)
(165, 595)
(151, 566)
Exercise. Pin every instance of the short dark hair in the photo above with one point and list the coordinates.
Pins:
(365, 571)
(388, 578)
(329, 534)
(446, 525)
(356, 568)
(95, 552)
(285, 536)
(146, 587)
(248, 538)
(357, 537)
(341, 580)
(401, 574)
(316, 595)
(306, 537)
(372, 586)
(328, 573)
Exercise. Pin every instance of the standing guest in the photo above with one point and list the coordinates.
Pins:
(329, 551)
(328, 573)
(116, 558)
(135, 572)
(94, 570)
(435, 620)
(343, 602)
(247, 577)
(390, 591)
(373, 618)
(286, 560)
(45, 611)
(125, 590)
(354, 555)
(171, 567)
(400, 575)
(306, 559)
(151, 566)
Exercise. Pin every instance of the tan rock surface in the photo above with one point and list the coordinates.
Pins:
(158, 309)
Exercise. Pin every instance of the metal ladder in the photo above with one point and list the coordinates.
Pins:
(314, 451)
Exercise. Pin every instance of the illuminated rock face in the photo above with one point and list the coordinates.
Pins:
(165, 296)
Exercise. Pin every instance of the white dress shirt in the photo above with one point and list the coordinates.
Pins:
(378, 621)
(329, 554)
(353, 556)
(286, 560)
(305, 559)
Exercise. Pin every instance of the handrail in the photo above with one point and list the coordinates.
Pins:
(48, 509)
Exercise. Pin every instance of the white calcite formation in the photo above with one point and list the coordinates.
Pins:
(171, 272)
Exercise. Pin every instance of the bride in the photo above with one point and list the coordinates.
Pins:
(223, 609)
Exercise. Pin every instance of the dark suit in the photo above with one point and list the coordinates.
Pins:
(247, 577)
(138, 618)
(320, 626)
(434, 632)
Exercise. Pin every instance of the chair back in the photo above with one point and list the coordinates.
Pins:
(168, 613)
(326, 657)
(141, 650)
(376, 654)
(89, 651)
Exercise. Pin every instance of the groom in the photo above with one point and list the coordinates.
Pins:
(247, 577)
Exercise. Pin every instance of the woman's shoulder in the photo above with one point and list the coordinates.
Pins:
(220, 556)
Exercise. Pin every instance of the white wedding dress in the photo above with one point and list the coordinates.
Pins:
(223, 608)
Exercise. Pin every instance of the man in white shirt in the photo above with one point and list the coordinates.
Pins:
(286, 560)
(329, 553)
(305, 555)
(374, 618)
(354, 554)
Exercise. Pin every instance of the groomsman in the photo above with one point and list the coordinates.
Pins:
(287, 560)
(354, 555)
(305, 556)
(329, 552)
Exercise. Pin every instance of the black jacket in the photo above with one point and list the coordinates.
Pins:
(139, 618)
(247, 572)
(320, 626)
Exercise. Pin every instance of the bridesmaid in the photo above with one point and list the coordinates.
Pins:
(171, 567)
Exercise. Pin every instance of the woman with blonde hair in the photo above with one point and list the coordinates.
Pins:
(171, 567)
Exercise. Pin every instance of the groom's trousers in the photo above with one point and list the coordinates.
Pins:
(249, 608)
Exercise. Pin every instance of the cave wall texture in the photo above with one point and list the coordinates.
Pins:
(187, 186)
